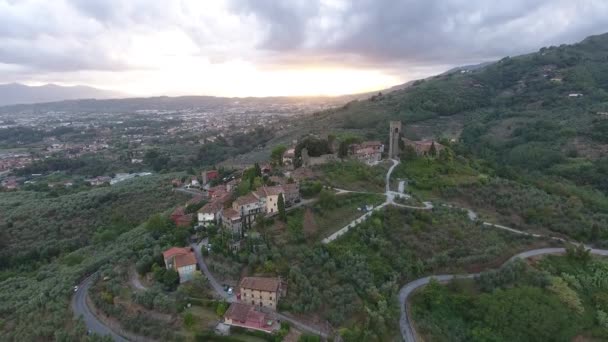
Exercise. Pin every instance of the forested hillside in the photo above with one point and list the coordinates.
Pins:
(540, 120)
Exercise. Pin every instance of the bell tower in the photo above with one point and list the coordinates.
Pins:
(394, 136)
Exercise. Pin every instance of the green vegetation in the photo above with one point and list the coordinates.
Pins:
(354, 175)
(37, 229)
(557, 300)
(63, 239)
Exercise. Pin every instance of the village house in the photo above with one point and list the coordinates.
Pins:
(247, 316)
(210, 213)
(194, 183)
(180, 217)
(231, 220)
(423, 147)
(291, 193)
(260, 291)
(181, 260)
(248, 206)
(288, 158)
(369, 152)
(269, 195)
(209, 176)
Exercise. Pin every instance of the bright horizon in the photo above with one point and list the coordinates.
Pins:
(243, 48)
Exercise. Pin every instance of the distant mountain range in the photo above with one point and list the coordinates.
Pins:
(16, 93)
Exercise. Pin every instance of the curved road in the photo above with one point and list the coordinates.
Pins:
(405, 322)
(81, 309)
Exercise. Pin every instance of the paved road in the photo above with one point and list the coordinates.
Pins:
(212, 281)
(81, 309)
(192, 192)
(405, 322)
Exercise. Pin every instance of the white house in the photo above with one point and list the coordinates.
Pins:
(210, 213)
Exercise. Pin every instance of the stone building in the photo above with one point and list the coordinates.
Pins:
(394, 137)
(260, 291)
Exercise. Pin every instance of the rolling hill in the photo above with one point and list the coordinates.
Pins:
(15, 93)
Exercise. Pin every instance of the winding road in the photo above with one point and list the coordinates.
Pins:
(408, 331)
(81, 309)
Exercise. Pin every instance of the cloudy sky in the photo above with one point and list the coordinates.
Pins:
(265, 47)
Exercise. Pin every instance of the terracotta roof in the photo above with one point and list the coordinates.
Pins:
(291, 187)
(211, 207)
(245, 313)
(231, 214)
(176, 251)
(247, 199)
(261, 284)
(185, 260)
(269, 191)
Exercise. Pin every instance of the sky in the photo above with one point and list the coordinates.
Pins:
(273, 48)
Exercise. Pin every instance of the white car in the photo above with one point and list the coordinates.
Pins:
(230, 291)
(76, 288)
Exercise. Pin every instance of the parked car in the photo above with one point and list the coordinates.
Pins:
(76, 288)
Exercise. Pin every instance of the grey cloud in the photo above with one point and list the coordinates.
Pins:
(430, 31)
(285, 21)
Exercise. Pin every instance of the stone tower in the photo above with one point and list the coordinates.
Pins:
(394, 136)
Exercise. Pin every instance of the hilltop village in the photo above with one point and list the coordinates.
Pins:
(232, 203)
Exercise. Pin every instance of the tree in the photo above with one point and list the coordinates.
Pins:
(408, 153)
(221, 308)
(277, 154)
(433, 150)
(188, 320)
(170, 279)
(258, 170)
(281, 205)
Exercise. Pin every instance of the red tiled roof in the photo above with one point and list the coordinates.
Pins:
(260, 284)
(247, 199)
(231, 214)
(238, 312)
(185, 260)
(173, 251)
(269, 191)
(211, 207)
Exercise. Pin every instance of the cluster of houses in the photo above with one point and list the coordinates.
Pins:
(254, 294)
(244, 209)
